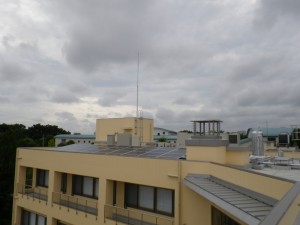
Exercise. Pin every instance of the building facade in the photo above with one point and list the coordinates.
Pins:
(206, 183)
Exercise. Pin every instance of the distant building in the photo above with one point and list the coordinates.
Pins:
(169, 137)
(77, 138)
(274, 137)
(139, 129)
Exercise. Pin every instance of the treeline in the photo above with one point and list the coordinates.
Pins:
(11, 137)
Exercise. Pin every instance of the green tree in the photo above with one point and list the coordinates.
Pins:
(11, 137)
(70, 142)
(41, 134)
(51, 143)
(162, 139)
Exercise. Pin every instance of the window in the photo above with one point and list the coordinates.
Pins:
(114, 192)
(153, 199)
(219, 218)
(164, 201)
(63, 183)
(146, 197)
(85, 186)
(42, 177)
(233, 139)
(28, 181)
(30, 218)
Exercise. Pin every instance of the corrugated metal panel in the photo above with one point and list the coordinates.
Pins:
(248, 206)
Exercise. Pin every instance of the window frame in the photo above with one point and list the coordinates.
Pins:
(155, 198)
(64, 183)
(42, 180)
(30, 214)
(220, 218)
(80, 191)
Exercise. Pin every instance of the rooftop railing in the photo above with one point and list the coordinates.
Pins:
(76, 203)
(134, 217)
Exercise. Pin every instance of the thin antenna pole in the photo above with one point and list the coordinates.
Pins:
(137, 86)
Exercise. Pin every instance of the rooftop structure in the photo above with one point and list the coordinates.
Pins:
(207, 127)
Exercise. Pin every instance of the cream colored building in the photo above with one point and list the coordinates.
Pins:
(205, 184)
(140, 129)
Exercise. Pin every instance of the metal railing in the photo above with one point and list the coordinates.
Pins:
(134, 217)
(76, 202)
(33, 192)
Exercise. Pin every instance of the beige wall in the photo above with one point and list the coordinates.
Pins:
(131, 125)
(292, 213)
(190, 208)
(237, 157)
(152, 172)
(204, 153)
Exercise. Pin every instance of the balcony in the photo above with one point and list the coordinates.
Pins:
(134, 217)
(76, 203)
(38, 193)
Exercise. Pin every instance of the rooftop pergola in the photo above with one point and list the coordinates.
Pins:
(207, 127)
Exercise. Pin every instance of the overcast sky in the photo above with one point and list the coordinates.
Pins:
(68, 63)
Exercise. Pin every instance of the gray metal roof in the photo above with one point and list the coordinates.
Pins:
(132, 151)
(246, 205)
(76, 136)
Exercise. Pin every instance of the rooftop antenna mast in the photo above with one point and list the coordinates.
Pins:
(137, 86)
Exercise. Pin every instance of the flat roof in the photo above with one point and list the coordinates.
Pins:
(248, 206)
(131, 151)
(281, 171)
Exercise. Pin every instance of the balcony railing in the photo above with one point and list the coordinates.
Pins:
(33, 192)
(134, 217)
(76, 202)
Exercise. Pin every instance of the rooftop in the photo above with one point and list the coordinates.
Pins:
(131, 151)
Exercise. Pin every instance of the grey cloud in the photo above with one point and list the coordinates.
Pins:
(4, 99)
(184, 101)
(271, 12)
(14, 73)
(62, 96)
(111, 98)
(112, 33)
(66, 116)
(165, 114)
(198, 60)
(93, 116)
